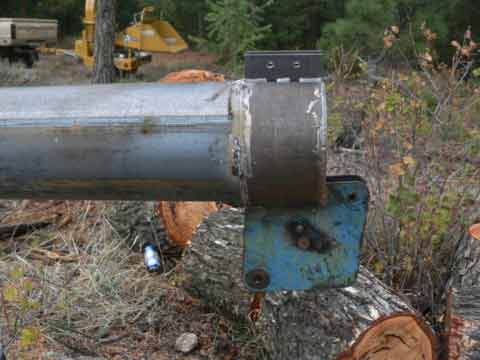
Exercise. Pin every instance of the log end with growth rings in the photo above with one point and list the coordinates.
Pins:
(402, 336)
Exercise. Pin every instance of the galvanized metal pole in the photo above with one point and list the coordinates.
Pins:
(242, 142)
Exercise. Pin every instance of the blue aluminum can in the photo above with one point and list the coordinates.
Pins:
(152, 258)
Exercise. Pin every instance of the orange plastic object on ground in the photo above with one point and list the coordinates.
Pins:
(181, 219)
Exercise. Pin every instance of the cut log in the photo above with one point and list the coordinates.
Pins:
(399, 336)
(366, 319)
(190, 76)
(463, 314)
(181, 219)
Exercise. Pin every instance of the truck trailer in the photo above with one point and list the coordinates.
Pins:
(19, 38)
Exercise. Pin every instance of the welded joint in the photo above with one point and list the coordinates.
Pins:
(317, 110)
(241, 137)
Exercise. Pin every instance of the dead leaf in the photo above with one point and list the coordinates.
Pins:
(409, 161)
(456, 44)
(50, 256)
(465, 52)
(427, 57)
(397, 169)
(388, 41)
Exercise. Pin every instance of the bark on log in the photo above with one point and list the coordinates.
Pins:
(463, 315)
(104, 68)
(307, 325)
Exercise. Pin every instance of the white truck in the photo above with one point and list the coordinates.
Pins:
(19, 38)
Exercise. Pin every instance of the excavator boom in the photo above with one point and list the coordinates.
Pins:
(84, 47)
(90, 13)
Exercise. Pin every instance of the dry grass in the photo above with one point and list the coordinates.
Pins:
(104, 304)
(50, 70)
(15, 74)
(65, 70)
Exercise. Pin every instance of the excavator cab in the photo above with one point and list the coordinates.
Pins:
(147, 15)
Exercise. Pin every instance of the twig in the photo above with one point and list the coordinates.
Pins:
(113, 339)
(352, 151)
(49, 256)
(5, 313)
(8, 232)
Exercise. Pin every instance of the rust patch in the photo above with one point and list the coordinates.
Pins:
(455, 328)
(455, 336)
(256, 307)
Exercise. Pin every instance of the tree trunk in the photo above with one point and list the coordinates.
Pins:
(104, 68)
(304, 325)
(463, 315)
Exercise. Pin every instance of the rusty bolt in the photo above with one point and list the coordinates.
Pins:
(304, 243)
(258, 279)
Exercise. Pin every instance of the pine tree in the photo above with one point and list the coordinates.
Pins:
(233, 27)
(362, 27)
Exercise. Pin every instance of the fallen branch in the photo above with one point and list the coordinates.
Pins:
(16, 230)
(50, 256)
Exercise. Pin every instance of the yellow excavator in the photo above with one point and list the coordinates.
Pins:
(134, 44)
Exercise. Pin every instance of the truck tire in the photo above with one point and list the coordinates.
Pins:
(28, 59)
(12, 58)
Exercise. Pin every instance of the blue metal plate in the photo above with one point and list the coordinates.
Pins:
(301, 249)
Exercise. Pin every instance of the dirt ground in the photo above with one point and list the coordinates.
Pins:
(73, 283)
(65, 70)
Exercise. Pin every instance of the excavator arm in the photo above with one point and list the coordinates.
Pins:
(90, 12)
(85, 46)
